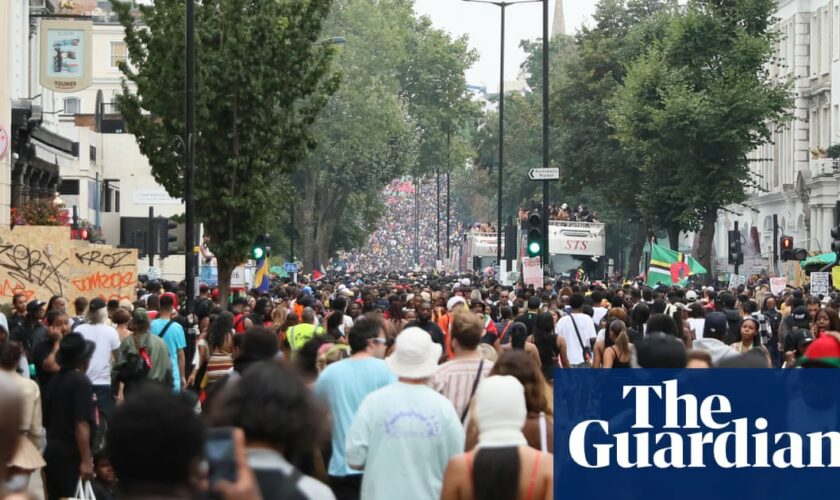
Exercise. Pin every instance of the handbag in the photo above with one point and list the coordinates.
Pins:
(587, 355)
(84, 491)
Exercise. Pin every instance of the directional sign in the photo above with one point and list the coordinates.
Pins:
(290, 267)
(544, 174)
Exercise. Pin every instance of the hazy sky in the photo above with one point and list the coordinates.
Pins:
(481, 22)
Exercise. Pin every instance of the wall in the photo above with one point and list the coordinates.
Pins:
(42, 261)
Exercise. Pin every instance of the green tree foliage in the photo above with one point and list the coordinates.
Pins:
(261, 82)
(692, 108)
(589, 74)
(402, 84)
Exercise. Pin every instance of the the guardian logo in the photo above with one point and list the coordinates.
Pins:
(695, 434)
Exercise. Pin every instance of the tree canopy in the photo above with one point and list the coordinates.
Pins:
(262, 80)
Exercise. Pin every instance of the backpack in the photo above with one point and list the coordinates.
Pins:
(136, 367)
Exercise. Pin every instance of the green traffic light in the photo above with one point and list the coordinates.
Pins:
(257, 253)
(534, 248)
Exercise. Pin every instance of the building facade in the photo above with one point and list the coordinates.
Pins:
(794, 179)
(75, 144)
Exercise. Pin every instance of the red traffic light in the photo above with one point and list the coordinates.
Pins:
(84, 234)
(786, 242)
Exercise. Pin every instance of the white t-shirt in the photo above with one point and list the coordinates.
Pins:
(566, 329)
(598, 315)
(697, 324)
(404, 436)
(107, 340)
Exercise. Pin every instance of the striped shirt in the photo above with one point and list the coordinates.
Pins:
(218, 366)
(455, 379)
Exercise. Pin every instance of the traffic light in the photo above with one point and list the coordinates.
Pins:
(785, 248)
(168, 235)
(835, 235)
(735, 254)
(260, 248)
(535, 234)
(84, 234)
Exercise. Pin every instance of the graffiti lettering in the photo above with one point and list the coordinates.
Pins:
(104, 280)
(8, 289)
(33, 267)
(111, 260)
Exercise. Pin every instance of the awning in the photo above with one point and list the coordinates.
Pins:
(56, 141)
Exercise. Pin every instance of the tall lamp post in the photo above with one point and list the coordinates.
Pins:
(502, 5)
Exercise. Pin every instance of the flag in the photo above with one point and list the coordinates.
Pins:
(261, 278)
(670, 267)
(316, 274)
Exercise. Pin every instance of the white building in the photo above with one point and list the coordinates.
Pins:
(78, 139)
(796, 183)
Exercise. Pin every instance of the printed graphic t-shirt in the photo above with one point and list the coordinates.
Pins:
(404, 436)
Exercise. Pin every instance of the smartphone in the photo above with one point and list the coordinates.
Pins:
(221, 457)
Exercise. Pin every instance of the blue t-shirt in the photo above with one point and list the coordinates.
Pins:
(404, 435)
(174, 339)
(343, 385)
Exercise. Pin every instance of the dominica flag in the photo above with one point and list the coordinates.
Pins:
(670, 267)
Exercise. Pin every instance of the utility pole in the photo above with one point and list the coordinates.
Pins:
(189, 171)
(448, 170)
(150, 239)
(545, 133)
(437, 214)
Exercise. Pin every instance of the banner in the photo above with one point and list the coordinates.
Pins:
(778, 285)
(820, 283)
(42, 261)
(723, 434)
(735, 281)
(532, 272)
(66, 55)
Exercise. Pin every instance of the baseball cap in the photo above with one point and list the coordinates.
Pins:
(800, 317)
(715, 325)
(34, 305)
(823, 352)
(691, 295)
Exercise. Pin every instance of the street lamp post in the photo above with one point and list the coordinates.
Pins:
(502, 5)
(189, 170)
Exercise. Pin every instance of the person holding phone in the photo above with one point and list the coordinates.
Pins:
(157, 449)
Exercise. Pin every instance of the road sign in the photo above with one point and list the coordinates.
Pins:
(290, 267)
(544, 174)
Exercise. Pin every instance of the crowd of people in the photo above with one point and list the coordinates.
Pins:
(391, 246)
(563, 212)
(354, 386)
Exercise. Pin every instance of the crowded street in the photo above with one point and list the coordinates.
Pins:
(419, 249)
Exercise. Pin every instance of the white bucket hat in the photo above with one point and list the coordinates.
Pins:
(454, 301)
(415, 356)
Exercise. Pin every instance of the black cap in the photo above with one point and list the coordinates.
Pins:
(74, 349)
(800, 317)
(96, 304)
(715, 326)
(34, 305)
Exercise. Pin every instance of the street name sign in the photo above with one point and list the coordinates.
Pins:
(544, 174)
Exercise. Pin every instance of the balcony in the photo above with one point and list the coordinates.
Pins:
(823, 167)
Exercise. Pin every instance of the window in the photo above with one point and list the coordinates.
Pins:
(72, 105)
(836, 32)
(825, 42)
(93, 155)
(118, 53)
(69, 186)
(814, 55)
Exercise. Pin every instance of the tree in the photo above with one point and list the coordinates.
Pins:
(261, 82)
(692, 108)
(403, 81)
(589, 73)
